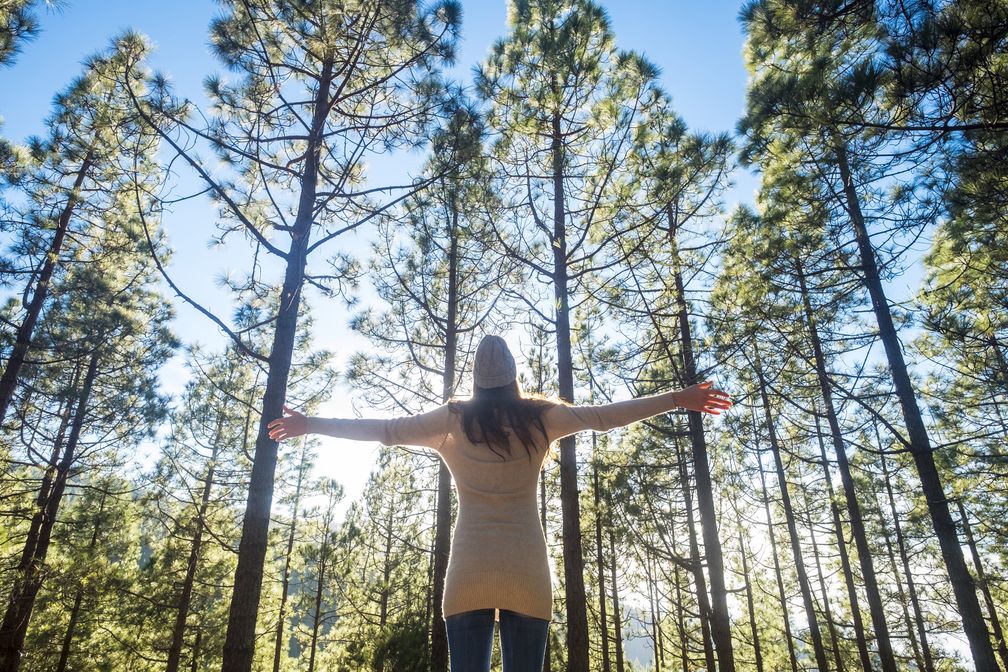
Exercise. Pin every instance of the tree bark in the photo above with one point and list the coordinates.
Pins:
(963, 586)
(239, 643)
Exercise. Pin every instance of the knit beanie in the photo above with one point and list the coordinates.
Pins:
(494, 366)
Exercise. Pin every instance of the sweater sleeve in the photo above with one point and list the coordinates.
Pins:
(562, 420)
(424, 429)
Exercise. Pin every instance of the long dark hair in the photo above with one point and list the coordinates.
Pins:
(490, 409)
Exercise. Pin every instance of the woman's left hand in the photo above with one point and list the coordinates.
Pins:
(703, 398)
(291, 425)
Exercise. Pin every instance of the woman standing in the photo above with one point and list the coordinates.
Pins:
(494, 445)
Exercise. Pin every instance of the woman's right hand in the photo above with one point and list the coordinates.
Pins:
(291, 425)
(703, 398)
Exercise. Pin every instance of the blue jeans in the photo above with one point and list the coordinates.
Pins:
(470, 640)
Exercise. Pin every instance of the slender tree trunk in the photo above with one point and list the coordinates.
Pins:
(907, 621)
(600, 563)
(45, 486)
(720, 619)
(285, 578)
(71, 630)
(182, 613)
(984, 587)
(23, 338)
(751, 607)
(703, 605)
(789, 516)
(573, 555)
(907, 573)
(22, 597)
(548, 659)
(872, 593)
(777, 570)
(194, 663)
(841, 542)
(317, 607)
(443, 517)
(617, 618)
(239, 643)
(684, 657)
(652, 598)
(827, 612)
(920, 444)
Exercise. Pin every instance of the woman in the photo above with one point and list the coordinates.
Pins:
(494, 445)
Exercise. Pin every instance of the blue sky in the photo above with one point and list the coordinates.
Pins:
(697, 46)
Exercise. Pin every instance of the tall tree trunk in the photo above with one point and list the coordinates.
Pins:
(317, 606)
(22, 597)
(443, 517)
(789, 516)
(684, 657)
(600, 564)
(617, 618)
(841, 542)
(239, 643)
(907, 621)
(548, 659)
(23, 338)
(703, 605)
(907, 572)
(984, 587)
(872, 593)
(827, 611)
(750, 606)
(656, 629)
(185, 598)
(573, 555)
(71, 630)
(777, 569)
(285, 578)
(919, 443)
(45, 485)
(720, 619)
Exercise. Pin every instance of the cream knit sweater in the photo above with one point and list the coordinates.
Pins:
(498, 553)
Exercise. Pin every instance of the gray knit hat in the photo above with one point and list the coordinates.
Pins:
(494, 366)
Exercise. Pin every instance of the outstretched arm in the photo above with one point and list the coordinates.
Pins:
(566, 420)
(425, 429)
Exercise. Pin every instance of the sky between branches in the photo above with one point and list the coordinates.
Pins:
(697, 46)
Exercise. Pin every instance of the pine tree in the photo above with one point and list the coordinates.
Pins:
(93, 393)
(308, 74)
(564, 130)
(78, 178)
